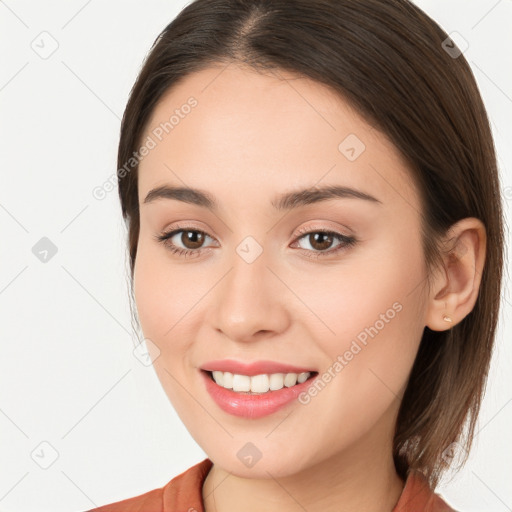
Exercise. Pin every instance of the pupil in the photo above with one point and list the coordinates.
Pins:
(324, 245)
(192, 237)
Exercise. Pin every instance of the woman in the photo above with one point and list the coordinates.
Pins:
(315, 239)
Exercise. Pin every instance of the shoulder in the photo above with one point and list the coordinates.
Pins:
(186, 488)
(417, 495)
(148, 502)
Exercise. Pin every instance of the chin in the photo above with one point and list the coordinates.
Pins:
(270, 464)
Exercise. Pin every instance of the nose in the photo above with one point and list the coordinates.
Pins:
(251, 301)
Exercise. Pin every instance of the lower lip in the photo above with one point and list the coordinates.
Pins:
(253, 406)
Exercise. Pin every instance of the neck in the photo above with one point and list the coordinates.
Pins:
(364, 480)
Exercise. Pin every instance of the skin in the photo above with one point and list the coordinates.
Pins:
(251, 137)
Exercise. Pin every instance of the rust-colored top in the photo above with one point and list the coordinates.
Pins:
(184, 494)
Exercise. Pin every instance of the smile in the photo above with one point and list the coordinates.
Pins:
(262, 383)
(255, 404)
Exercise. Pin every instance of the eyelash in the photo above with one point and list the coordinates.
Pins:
(346, 242)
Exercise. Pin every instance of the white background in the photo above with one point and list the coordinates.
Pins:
(68, 376)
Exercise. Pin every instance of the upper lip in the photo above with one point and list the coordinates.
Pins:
(252, 368)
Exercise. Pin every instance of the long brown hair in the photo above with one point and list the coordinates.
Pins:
(400, 71)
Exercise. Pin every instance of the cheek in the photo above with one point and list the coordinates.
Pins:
(159, 308)
(159, 294)
(169, 297)
(368, 311)
(370, 331)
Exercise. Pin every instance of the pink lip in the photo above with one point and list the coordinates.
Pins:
(253, 406)
(254, 368)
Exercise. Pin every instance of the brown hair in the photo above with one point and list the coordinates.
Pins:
(387, 58)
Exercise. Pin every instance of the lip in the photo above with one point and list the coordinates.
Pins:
(252, 368)
(254, 406)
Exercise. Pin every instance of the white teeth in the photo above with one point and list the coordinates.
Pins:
(218, 377)
(258, 383)
(290, 380)
(303, 377)
(241, 382)
(276, 381)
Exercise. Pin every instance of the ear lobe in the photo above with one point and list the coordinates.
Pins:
(457, 284)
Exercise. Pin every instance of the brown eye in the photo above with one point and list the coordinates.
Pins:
(184, 241)
(192, 239)
(188, 242)
(320, 241)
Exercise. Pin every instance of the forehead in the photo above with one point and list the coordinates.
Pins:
(266, 132)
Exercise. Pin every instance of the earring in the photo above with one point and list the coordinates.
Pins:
(447, 318)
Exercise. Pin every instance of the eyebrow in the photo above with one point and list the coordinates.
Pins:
(286, 201)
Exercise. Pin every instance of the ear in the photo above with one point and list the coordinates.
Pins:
(455, 288)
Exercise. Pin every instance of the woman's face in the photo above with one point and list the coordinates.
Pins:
(263, 284)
